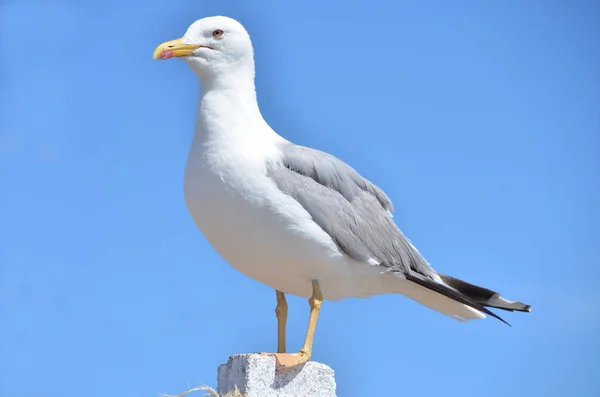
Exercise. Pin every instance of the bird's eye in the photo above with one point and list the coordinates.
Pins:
(217, 33)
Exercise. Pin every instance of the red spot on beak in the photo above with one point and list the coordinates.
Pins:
(166, 55)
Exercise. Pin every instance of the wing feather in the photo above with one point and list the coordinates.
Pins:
(357, 215)
(352, 210)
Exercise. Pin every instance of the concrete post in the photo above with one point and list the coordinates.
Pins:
(255, 376)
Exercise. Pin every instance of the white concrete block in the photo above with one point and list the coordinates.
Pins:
(255, 376)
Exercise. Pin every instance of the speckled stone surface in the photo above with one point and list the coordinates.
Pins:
(255, 376)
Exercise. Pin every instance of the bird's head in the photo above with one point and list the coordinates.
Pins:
(212, 46)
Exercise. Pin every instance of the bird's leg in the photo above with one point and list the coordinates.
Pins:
(315, 302)
(281, 311)
(291, 360)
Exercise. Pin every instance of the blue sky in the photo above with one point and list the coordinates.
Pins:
(479, 119)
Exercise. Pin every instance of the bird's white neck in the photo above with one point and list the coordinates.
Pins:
(227, 105)
(239, 78)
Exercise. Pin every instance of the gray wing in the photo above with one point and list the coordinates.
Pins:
(351, 209)
(356, 214)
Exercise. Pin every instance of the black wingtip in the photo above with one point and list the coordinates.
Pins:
(484, 296)
(496, 316)
(452, 294)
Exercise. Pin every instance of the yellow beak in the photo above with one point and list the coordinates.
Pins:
(174, 48)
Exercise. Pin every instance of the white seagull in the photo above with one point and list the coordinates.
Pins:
(294, 218)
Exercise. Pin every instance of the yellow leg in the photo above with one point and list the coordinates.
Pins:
(291, 360)
(281, 311)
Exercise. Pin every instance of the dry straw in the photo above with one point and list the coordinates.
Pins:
(209, 392)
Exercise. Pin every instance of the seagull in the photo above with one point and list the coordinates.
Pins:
(294, 218)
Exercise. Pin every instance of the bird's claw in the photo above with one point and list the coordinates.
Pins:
(289, 360)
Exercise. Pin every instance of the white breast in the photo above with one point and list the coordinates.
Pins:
(257, 229)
